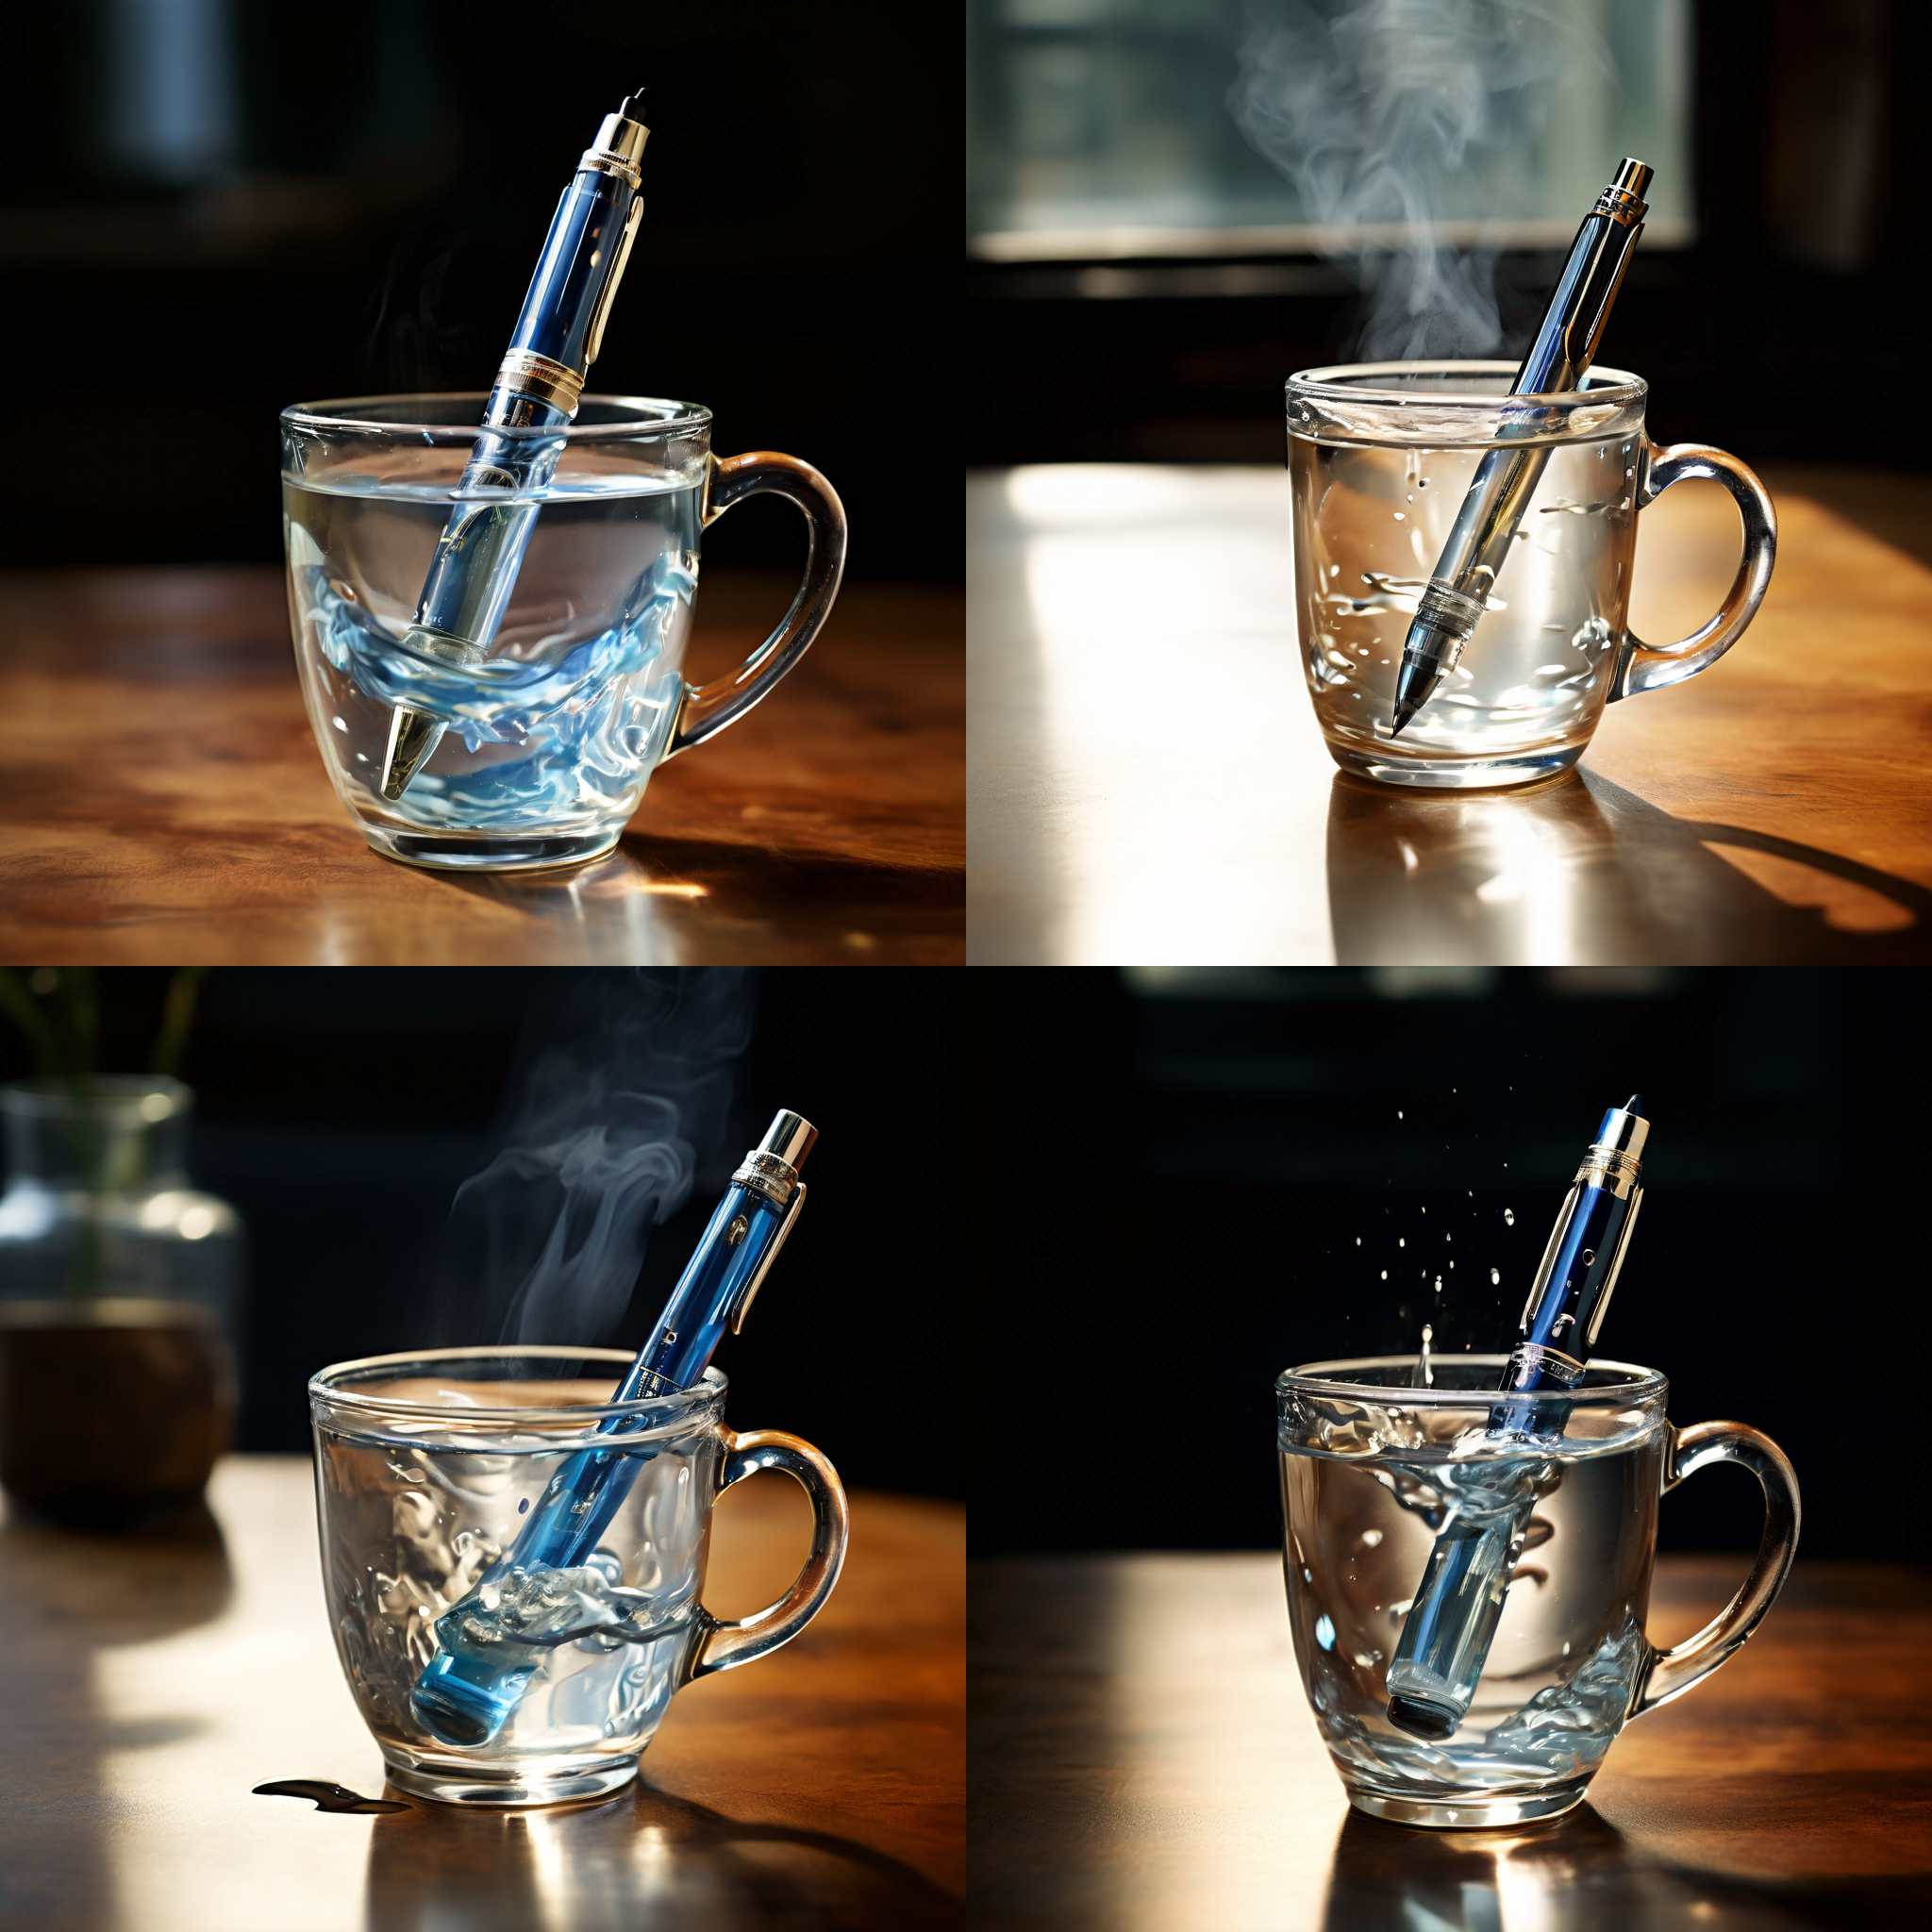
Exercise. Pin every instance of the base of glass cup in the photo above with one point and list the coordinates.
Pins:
(554, 1781)
(1471, 1812)
(1455, 774)
(483, 852)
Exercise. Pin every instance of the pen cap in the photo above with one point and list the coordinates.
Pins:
(772, 1167)
(789, 1138)
(622, 137)
(1624, 1131)
(1632, 176)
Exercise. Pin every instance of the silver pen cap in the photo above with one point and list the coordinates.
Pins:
(1624, 1131)
(772, 1167)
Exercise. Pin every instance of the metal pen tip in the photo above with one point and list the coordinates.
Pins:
(412, 738)
(1406, 708)
(1634, 1105)
(624, 107)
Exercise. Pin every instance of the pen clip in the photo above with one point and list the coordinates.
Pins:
(1616, 1267)
(764, 1267)
(594, 340)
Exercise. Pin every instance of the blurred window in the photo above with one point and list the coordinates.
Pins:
(1108, 128)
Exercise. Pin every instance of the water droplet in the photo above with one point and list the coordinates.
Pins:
(1495, 1278)
(1588, 1256)
(523, 1505)
(1325, 1632)
(1510, 1217)
(1402, 1240)
(1370, 1538)
(1385, 1274)
(1400, 517)
(1398, 1113)
(1358, 1241)
(1426, 1210)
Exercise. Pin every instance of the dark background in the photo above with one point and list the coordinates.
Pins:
(1187, 1159)
(211, 208)
(1797, 292)
(340, 1111)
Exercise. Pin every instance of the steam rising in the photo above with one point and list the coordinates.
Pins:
(1383, 112)
(607, 1129)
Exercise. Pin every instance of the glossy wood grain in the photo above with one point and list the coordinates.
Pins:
(1143, 1761)
(162, 800)
(153, 1682)
(1147, 783)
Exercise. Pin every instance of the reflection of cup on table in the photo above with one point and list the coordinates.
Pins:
(547, 743)
(1380, 457)
(1372, 1467)
(425, 1467)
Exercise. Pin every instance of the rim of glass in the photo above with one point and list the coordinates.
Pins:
(337, 415)
(1346, 382)
(1636, 1384)
(324, 1388)
(142, 1099)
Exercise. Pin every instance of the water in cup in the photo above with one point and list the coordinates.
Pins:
(1371, 521)
(560, 728)
(412, 1529)
(1364, 1500)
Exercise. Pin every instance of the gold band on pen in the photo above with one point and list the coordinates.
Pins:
(548, 382)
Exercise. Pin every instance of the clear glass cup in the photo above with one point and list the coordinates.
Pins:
(1380, 456)
(548, 742)
(425, 1467)
(1373, 1467)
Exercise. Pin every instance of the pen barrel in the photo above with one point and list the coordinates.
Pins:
(1451, 1623)
(568, 1521)
(1498, 498)
(478, 557)
(577, 275)
(474, 570)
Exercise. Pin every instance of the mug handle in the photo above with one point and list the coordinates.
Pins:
(1670, 1673)
(725, 1644)
(1649, 667)
(705, 708)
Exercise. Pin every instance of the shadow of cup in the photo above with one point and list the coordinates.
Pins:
(111, 1412)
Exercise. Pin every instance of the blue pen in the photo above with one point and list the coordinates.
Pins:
(1493, 506)
(466, 1695)
(539, 385)
(1451, 1620)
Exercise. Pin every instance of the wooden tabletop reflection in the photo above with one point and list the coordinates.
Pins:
(1147, 783)
(1145, 1761)
(161, 801)
(154, 1681)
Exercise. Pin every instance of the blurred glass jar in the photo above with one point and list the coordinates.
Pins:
(98, 1201)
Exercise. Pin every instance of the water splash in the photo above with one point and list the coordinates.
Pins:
(552, 733)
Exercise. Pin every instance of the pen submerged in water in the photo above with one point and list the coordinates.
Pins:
(1452, 1618)
(1506, 479)
(539, 385)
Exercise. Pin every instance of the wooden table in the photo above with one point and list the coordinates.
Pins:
(161, 801)
(151, 1683)
(1144, 1761)
(1147, 783)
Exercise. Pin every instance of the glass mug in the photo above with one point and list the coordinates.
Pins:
(1379, 457)
(425, 1466)
(1372, 1467)
(550, 740)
